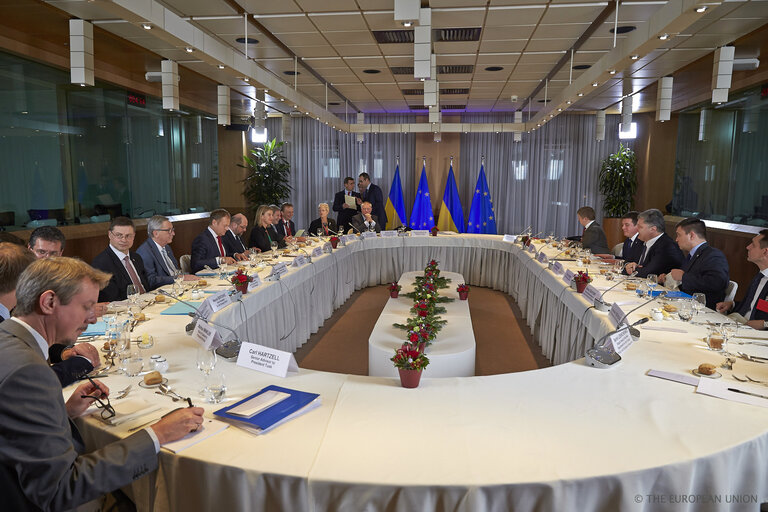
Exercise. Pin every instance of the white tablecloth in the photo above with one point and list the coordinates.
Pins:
(567, 437)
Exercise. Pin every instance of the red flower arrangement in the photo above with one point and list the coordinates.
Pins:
(394, 287)
(434, 231)
(462, 288)
(582, 277)
(240, 279)
(408, 357)
(422, 308)
(334, 241)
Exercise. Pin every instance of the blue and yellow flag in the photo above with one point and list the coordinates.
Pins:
(482, 219)
(421, 215)
(451, 214)
(395, 207)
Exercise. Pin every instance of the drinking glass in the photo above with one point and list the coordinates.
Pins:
(178, 281)
(133, 363)
(319, 232)
(206, 362)
(123, 348)
(685, 311)
(642, 289)
(273, 245)
(653, 280)
(699, 302)
(729, 331)
(216, 390)
(132, 293)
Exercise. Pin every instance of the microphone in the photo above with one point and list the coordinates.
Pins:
(603, 356)
(353, 227)
(603, 306)
(309, 256)
(634, 332)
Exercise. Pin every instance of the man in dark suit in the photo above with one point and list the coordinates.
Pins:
(160, 265)
(46, 241)
(55, 299)
(126, 266)
(345, 211)
(233, 243)
(705, 269)
(285, 226)
(208, 247)
(373, 194)
(754, 307)
(365, 220)
(593, 237)
(660, 253)
(633, 246)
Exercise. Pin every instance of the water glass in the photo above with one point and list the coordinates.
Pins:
(699, 302)
(132, 293)
(134, 364)
(178, 282)
(206, 362)
(642, 289)
(685, 311)
(216, 389)
(653, 280)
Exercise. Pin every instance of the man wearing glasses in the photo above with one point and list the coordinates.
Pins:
(43, 464)
(125, 266)
(160, 264)
(46, 242)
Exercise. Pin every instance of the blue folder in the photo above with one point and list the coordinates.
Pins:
(672, 294)
(272, 416)
(97, 329)
(180, 309)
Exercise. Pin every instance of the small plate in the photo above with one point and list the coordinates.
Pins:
(715, 375)
(150, 386)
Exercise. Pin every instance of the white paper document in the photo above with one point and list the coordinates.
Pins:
(350, 200)
(129, 410)
(742, 392)
(683, 378)
(258, 403)
(209, 428)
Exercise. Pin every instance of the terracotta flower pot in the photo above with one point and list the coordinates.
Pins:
(242, 288)
(463, 295)
(334, 243)
(581, 286)
(393, 293)
(409, 378)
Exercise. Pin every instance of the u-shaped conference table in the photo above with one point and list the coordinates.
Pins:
(568, 437)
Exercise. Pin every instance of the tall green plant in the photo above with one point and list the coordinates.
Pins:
(618, 182)
(268, 175)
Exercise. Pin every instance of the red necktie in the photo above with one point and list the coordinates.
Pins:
(132, 274)
(287, 228)
(221, 247)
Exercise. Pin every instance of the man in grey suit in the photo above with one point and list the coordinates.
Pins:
(594, 236)
(42, 461)
(159, 262)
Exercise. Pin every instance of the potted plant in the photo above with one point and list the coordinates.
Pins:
(240, 279)
(267, 181)
(434, 231)
(394, 290)
(582, 279)
(617, 181)
(409, 362)
(463, 290)
(334, 241)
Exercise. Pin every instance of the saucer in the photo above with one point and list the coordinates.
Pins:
(150, 386)
(715, 375)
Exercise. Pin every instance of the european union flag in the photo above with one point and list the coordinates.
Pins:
(482, 219)
(451, 214)
(395, 207)
(421, 215)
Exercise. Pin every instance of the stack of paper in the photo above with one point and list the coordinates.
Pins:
(269, 408)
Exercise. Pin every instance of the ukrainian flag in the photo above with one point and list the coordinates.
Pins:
(482, 219)
(395, 207)
(421, 214)
(451, 214)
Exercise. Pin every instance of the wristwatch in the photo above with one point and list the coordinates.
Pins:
(765, 324)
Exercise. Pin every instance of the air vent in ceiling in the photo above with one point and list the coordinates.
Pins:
(457, 34)
(412, 92)
(453, 107)
(417, 107)
(454, 91)
(393, 36)
(582, 66)
(457, 69)
(402, 70)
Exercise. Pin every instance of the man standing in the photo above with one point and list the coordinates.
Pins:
(160, 264)
(633, 246)
(208, 247)
(285, 226)
(372, 194)
(46, 241)
(126, 266)
(754, 307)
(593, 237)
(365, 221)
(42, 461)
(340, 205)
(233, 243)
(660, 254)
(705, 269)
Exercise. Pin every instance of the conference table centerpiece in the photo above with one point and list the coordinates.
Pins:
(582, 279)
(410, 362)
(334, 241)
(463, 290)
(394, 290)
(240, 280)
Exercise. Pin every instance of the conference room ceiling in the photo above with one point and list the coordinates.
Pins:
(508, 48)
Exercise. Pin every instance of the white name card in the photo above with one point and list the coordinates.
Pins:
(621, 341)
(568, 277)
(509, 238)
(267, 360)
(389, 233)
(542, 258)
(348, 238)
(279, 269)
(420, 232)
(327, 247)
(206, 335)
(557, 268)
(616, 314)
(205, 310)
(219, 300)
(300, 260)
(531, 248)
(591, 293)
(255, 282)
(368, 234)
(317, 251)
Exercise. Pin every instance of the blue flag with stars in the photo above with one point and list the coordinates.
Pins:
(421, 215)
(482, 219)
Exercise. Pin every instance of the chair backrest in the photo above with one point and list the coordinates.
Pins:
(617, 249)
(186, 263)
(730, 290)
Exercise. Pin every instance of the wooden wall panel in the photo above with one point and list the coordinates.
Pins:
(438, 155)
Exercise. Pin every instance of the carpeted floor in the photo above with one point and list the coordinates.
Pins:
(503, 339)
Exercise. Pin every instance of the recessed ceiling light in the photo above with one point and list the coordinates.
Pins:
(421, 79)
(372, 71)
(246, 79)
(663, 37)
(612, 72)
(291, 73)
(580, 94)
(146, 26)
(538, 125)
(250, 40)
(25, 112)
(494, 68)
(635, 57)
(551, 115)
(282, 99)
(407, 24)
(703, 8)
(221, 66)
(295, 106)
(623, 29)
(595, 84)
(568, 102)
(582, 66)
(559, 110)
(189, 49)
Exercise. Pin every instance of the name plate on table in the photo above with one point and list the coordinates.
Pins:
(300, 260)
(217, 301)
(255, 282)
(542, 258)
(390, 233)
(317, 251)
(348, 238)
(531, 248)
(509, 238)
(279, 269)
(616, 314)
(267, 360)
(368, 234)
(420, 232)
(591, 293)
(568, 277)
(557, 268)
(327, 247)
(205, 335)
(621, 341)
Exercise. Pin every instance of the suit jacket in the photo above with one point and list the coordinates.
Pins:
(281, 228)
(154, 264)
(632, 250)
(661, 258)
(317, 224)
(742, 307)
(375, 196)
(259, 238)
(205, 250)
(345, 214)
(707, 273)
(358, 222)
(54, 475)
(107, 261)
(594, 239)
(233, 244)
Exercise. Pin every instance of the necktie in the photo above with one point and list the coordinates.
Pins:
(751, 312)
(642, 255)
(221, 247)
(287, 228)
(132, 274)
(168, 261)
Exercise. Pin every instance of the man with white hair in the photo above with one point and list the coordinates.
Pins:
(160, 265)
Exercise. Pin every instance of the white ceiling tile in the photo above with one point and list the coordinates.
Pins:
(548, 45)
(354, 50)
(346, 38)
(500, 59)
(436, 4)
(339, 22)
(456, 47)
(298, 23)
(507, 33)
(511, 17)
(393, 49)
(516, 45)
(302, 39)
(366, 62)
(457, 18)
(443, 60)
(560, 31)
(262, 7)
(314, 51)
(327, 5)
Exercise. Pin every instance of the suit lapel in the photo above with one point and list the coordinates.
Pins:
(20, 332)
(695, 258)
(160, 262)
